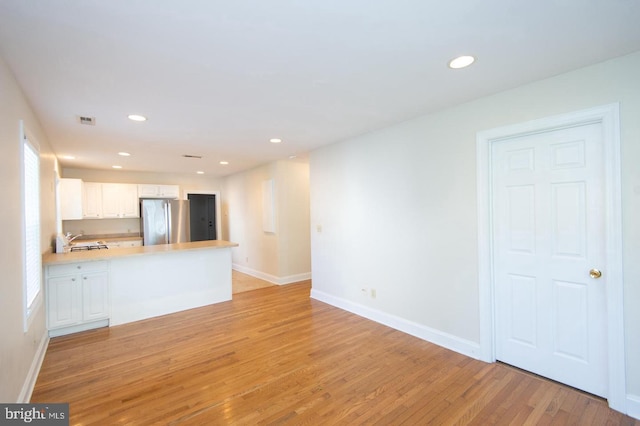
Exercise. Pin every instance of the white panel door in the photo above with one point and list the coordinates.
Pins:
(548, 233)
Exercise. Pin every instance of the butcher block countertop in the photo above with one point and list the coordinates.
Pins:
(105, 254)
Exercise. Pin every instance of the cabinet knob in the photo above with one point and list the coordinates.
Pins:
(73, 279)
(79, 267)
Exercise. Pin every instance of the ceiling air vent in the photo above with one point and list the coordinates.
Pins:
(192, 156)
(89, 121)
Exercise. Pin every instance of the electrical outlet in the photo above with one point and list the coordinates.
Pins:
(373, 293)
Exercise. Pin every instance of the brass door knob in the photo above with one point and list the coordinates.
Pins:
(595, 273)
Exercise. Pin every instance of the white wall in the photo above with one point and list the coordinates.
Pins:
(280, 257)
(242, 221)
(292, 208)
(19, 350)
(398, 213)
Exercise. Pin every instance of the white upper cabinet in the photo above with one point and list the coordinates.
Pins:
(96, 200)
(119, 200)
(70, 196)
(158, 191)
(92, 200)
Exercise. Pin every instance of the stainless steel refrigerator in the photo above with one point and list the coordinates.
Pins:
(164, 221)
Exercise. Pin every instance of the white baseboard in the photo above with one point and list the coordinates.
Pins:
(633, 406)
(34, 370)
(272, 278)
(454, 343)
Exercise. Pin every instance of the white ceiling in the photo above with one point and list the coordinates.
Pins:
(219, 78)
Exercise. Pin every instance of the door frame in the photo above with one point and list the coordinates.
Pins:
(608, 117)
(185, 196)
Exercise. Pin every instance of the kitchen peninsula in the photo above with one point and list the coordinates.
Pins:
(94, 288)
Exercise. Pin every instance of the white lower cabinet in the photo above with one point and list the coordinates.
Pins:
(124, 243)
(77, 297)
(131, 243)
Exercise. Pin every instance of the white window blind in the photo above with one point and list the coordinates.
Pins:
(33, 259)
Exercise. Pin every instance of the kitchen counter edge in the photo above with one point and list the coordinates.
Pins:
(91, 255)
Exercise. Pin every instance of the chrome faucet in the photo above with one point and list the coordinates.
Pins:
(71, 237)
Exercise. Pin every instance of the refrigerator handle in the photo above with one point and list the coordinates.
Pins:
(167, 218)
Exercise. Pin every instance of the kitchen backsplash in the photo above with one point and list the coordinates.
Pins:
(102, 226)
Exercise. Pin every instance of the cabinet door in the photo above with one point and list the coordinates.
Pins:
(119, 200)
(64, 301)
(111, 194)
(158, 191)
(70, 196)
(148, 191)
(130, 204)
(169, 191)
(92, 200)
(95, 296)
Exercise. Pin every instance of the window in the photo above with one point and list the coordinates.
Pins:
(31, 206)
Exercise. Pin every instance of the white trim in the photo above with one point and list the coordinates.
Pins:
(437, 337)
(289, 279)
(608, 117)
(34, 370)
(185, 196)
(633, 406)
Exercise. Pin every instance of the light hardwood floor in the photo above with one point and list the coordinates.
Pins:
(243, 282)
(275, 356)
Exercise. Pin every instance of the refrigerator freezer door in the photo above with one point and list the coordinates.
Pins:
(179, 221)
(153, 214)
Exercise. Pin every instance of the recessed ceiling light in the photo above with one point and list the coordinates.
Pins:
(224, 163)
(461, 62)
(275, 140)
(68, 157)
(200, 172)
(116, 167)
(124, 154)
(136, 117)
